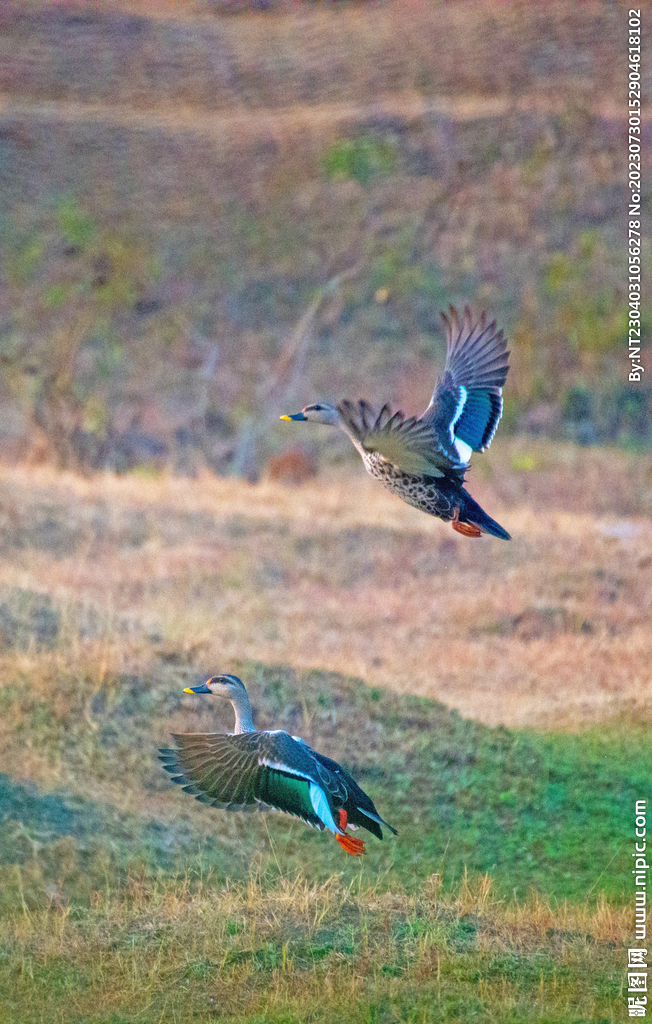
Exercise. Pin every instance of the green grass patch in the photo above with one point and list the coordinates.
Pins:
(75, 224)
(25, 258)
(361, 158)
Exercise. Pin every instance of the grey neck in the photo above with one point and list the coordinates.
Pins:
(242, 709)
(357, 443)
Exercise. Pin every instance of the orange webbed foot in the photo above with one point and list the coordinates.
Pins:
(466, 529)
(351, 845)
(348, 843)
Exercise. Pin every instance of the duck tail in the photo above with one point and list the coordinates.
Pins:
(470, 512)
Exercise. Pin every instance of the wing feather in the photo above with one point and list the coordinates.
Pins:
(463, 414)
(239, 772)
(268, 770)
(408, 443)
(467, 405)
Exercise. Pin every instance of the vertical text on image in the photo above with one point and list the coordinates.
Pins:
(636, 368)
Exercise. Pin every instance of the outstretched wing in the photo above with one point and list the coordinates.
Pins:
(410, 444)
(467, 402)
(250, 770)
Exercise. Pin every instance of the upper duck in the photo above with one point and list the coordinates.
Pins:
(246, 770)
(424, 460)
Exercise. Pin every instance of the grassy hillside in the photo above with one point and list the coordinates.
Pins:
(505, 894)
(263, 915)
(174, 199)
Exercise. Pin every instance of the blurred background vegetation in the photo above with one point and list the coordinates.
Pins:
(178, 186)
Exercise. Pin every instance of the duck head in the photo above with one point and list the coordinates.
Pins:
(233, 690)
(220, 686)
(319, 413)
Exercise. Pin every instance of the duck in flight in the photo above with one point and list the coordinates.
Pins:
(246, 770)
(424, 460)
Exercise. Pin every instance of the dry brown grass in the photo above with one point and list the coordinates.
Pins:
(315, 53)
(193, 951)
(552, 628)
(148, 904)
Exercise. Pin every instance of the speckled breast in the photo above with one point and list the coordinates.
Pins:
(414, 490)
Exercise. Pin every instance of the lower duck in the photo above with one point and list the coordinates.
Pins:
(249, 769)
